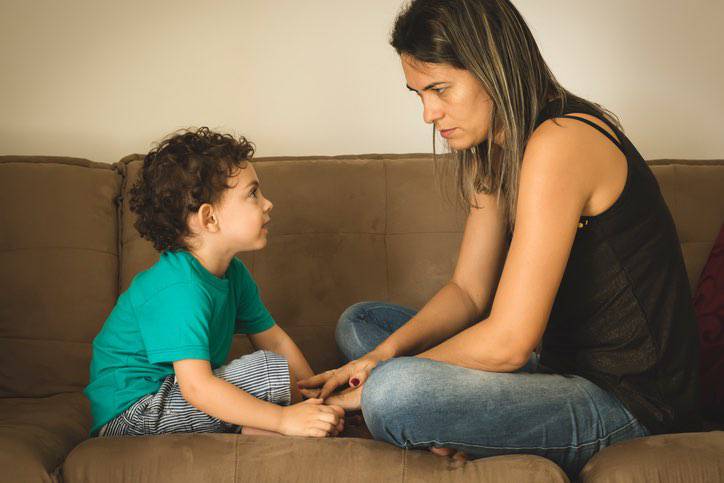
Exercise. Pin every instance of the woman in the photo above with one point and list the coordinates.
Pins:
(568, 244)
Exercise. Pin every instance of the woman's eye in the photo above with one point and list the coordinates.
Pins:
(440, 90)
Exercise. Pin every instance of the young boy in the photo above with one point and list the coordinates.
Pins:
(157, 363)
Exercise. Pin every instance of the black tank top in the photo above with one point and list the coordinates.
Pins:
(623, 316)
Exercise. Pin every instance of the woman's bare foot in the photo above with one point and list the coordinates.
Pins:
(456, 455)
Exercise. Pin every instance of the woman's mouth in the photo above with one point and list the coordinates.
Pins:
(446, 133)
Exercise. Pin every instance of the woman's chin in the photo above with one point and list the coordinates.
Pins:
(459, 144)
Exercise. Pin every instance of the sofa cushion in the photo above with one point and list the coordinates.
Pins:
(691, 457)
(233, 458)
(37, 433)
(693, 192)
(709, 307)
(58, 270)
(424, 229)
(420, 466)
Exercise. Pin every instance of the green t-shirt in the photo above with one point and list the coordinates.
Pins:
(174, 310)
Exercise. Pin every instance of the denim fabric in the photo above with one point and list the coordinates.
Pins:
(417, 403)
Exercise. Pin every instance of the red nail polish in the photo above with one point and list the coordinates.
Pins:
(354, 381)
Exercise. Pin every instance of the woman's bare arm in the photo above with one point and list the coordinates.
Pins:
(461, 302)
(555, 186)
(467, 296)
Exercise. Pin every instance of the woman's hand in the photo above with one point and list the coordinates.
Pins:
(311, 418)
(354, 374)
(350, 399)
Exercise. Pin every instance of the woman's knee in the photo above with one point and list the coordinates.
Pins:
(395, 382)
(393, 397)
(347, 332)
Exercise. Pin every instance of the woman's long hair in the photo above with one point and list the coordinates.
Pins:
(490, 39)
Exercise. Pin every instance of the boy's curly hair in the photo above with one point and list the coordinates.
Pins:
(187, 169)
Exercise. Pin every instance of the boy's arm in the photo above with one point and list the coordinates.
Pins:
(222, 400)
(276, 340)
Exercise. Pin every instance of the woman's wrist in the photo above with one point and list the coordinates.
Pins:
(383, 352)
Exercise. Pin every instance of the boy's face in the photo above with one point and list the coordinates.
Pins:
(243, 212)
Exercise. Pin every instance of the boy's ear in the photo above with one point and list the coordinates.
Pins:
(207, 218)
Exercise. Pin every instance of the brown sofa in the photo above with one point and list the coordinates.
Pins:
(345, 229)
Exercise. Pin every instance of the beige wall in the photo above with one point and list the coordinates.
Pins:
(101, 79)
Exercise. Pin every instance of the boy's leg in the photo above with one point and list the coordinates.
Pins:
(418, 403)
(263, 374)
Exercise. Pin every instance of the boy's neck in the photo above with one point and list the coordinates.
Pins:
(212, 260)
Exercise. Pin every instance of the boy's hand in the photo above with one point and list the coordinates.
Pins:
(311, 418)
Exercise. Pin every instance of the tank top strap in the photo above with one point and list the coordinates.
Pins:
(598, 128)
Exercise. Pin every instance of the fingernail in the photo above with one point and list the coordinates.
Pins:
(354, 381)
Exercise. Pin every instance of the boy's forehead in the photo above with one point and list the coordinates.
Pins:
(245, 176)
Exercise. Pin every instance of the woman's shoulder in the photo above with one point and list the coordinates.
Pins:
(574, 125)
(576, 143)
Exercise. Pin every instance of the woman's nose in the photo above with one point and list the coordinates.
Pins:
(430, 112)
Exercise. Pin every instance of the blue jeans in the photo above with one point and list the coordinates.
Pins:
(417, 403)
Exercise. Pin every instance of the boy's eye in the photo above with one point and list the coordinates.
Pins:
(252, 193)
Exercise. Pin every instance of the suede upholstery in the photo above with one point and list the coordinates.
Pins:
(344, 229)
(58, 267)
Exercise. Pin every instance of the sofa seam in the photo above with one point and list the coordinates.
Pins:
(62, 160)
(347, 157)
(5, 337)
(399, 233)
(404, 465)
(676, 209)
(121, 167)
(384, 240)
(236, 457)
(94, 250)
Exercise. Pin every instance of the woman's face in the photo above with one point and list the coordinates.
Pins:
(452, 99)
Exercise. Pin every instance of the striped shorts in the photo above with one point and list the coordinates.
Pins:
(263, 374)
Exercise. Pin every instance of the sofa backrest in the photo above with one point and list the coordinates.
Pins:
(58, 269)
(378, 227)
(344, 229)
(694, 192)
